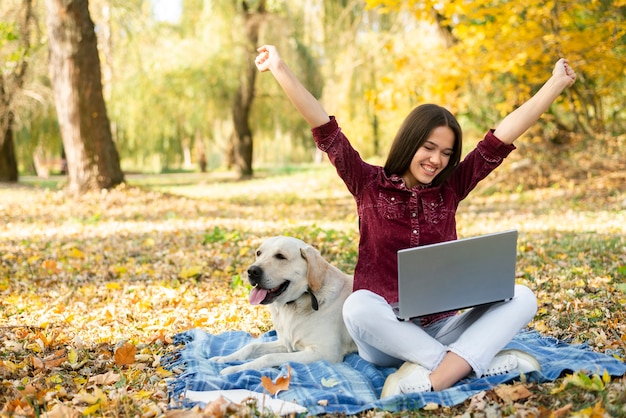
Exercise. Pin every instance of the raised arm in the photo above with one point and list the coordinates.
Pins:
(522, 118)
(308, 106)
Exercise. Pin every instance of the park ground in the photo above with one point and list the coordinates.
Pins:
(92, 289)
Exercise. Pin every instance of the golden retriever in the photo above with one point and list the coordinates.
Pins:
(305, 295)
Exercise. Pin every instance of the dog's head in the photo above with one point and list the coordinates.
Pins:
(285, 269)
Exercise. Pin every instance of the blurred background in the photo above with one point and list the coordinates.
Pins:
(181, 92)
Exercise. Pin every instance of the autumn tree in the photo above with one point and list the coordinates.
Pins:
(493, 55)
(92, 158)
(251, 15)
(15, 46)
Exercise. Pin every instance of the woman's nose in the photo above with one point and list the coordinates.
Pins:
(435, 158)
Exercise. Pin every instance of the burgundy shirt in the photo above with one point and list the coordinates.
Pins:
(393, 217)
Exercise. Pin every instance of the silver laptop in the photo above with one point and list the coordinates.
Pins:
(456, 274)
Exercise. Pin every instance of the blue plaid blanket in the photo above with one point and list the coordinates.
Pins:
(355, 383)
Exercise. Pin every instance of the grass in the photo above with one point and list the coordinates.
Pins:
(164, 254)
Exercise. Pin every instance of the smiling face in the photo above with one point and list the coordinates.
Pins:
(431, 157)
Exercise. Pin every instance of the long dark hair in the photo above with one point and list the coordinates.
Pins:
(414, 131)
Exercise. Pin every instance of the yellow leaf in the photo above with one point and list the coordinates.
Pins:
(190, 272)
(56, 378)
(161, 372)
(91, 410)
(76, 253)
(72, 356)
(113, 285)
(143, 394)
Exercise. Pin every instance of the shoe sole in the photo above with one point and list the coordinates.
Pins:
(392, 383)
(536, 367)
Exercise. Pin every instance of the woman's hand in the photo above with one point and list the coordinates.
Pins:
(267, 56)
(562, 70)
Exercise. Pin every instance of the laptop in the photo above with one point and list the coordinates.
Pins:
(455, 275)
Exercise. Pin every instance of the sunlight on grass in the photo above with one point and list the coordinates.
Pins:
(166, 253)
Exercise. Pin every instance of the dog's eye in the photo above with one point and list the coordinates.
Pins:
(280, 256)
(258, 253)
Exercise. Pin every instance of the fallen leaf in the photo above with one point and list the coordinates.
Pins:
(217, 408)
(190, 272)
(62, 411)
(107, 378)
(125, 354)
(431, 406)
(329, 383)
(282, 383)
(512, 393)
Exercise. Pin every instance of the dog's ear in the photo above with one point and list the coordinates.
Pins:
(317, 267)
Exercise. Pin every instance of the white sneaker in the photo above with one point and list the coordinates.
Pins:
(410, 378)
(507, 361)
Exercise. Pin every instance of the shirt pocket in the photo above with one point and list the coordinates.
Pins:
(435, 211)
(392, 205)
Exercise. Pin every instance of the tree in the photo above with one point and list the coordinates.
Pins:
(92, 158)
(496, 53)
(15, 44)
(244, 96)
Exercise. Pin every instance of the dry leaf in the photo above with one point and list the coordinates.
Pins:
(107, 378)
(217, 408)
(62, 411)
(125, 354)
(512, 393)
(282, 383)
(55, 359)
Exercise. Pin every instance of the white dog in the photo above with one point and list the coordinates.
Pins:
(305, 295)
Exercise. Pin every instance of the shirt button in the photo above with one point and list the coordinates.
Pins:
(414, 214)
(415, 231)
(393, 199)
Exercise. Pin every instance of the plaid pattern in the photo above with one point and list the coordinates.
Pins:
(354, 385)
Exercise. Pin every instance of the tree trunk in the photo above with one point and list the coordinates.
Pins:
(11, 83)
(8, 161)
(244, 96)
(92, 159)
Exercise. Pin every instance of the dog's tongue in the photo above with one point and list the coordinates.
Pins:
(257, 295)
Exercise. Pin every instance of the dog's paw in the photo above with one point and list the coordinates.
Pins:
(232, 369)
(220, 359)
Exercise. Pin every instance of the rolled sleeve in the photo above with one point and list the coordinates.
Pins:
(325, 134)
(493, 149)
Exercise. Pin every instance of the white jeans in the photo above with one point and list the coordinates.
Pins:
(476, 335)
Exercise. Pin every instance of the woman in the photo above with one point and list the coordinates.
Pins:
(412, 201)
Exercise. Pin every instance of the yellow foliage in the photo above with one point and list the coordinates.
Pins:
(515, 41)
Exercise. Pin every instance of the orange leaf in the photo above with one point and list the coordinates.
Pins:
(37, 363)
(55, 359)
(125, 354)
(282, 383)
(512, 393)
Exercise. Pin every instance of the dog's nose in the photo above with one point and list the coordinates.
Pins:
(255, 273)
